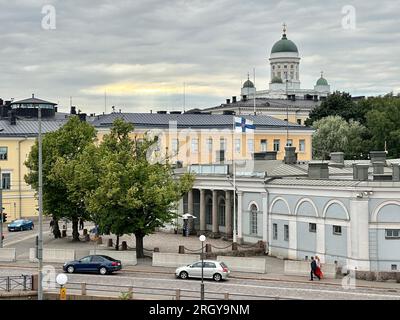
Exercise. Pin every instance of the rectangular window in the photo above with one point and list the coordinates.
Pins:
(222, 144)
(209, 143)
(275, 231)
(276, 144)
(175, 146)
(291, 66)
(394, 267)
(263, 145)
(250, 145)
(3, 153)
(298, 121)
(285, 67)
(195, 145)
(6, 181)
(286, 232)
(337, 230)
(289, 143)
(392, 233)
(302, 145)
(312, 227)
(237, 145)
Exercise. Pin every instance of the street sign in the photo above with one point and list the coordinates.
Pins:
(63, 293)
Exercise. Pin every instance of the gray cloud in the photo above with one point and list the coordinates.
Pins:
(141, 52)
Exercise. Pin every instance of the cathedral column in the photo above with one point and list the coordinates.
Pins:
(228, 213)
(214, 212)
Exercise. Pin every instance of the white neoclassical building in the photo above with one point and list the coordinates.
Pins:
(344, 211)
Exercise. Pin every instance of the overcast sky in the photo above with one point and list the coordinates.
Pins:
(141, 52)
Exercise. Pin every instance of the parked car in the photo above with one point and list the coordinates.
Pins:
(20, 225)
(93, 263)
(212, 269)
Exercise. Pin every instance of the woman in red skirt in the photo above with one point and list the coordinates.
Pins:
(318, 271)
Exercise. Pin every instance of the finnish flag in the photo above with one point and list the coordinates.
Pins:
(244, 125)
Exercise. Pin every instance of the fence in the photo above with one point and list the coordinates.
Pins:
(80, 289)
(9, 283)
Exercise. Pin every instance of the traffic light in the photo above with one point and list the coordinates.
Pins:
(4, 217)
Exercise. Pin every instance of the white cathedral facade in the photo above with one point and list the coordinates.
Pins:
(285, 76)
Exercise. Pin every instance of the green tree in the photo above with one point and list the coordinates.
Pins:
(334, 134)
(336, 104)
(62, 145)
(128, 193)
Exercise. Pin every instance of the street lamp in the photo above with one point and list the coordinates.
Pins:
(202, 238)
(62, 279)
(40, 187)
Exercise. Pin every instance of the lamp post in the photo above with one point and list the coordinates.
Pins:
(202, 238)
(62, 280)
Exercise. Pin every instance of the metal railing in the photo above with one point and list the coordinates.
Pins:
(143, 293)
(10, 283)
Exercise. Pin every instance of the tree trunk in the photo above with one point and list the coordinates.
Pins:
(139, 245)
(75, 232)
(56, 229)
(117, 244)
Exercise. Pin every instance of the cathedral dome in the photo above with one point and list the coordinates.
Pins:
(276, 80)
(322, 82)
(248, 84)
(284, 45)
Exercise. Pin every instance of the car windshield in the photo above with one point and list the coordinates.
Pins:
(18, 221)
(108, 258)
(223, 265)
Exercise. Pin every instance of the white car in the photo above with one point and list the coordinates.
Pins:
(212, 269)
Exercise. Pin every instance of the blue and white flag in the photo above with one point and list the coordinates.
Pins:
(244, 125)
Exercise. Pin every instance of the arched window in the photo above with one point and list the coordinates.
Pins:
(221, 213)
(253, 219)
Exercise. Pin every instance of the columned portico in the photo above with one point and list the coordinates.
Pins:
(228, 213)
(190, 201)
(202, 210)
(214, 212)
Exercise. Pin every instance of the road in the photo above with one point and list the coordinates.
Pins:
(145, 282)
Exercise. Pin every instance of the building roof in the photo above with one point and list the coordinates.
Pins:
(276, 80)
(267, 103)
(28, 128)
(284, 45)
(33, 101)
(322, 82)
(248, 84)
(187, 120)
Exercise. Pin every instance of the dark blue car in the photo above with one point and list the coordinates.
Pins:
(20, 225)
(93, 263)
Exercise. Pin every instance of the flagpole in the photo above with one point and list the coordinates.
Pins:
(234, 182)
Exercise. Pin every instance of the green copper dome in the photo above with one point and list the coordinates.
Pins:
(322, 82)
(276, 80)
(284, 45)
(248, 84)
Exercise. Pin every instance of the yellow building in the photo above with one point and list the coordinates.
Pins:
(187, 138)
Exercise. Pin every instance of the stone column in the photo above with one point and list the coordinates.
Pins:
(190, 201)
(265, 216)
(214, 212)
(321, 240)
(239, 216)
(228, 213)
(202, 210)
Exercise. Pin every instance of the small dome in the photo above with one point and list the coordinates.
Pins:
(322, 82)
(276, 80)
(284, 45)
(248, 84)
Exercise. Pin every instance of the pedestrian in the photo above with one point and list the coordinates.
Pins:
(313, 269)
(51, 225)
(318, 271)
(81, 225)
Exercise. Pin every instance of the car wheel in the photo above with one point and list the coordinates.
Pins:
(183, 275)
(70, 269)
(103, 270)
(217, 277)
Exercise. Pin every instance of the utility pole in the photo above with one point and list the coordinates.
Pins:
(40, 237)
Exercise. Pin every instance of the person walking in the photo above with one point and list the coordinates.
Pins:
(313, 269)
(81, 225)
(318, 271)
